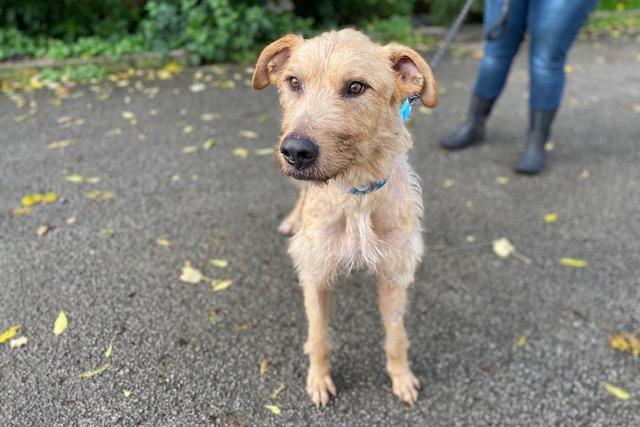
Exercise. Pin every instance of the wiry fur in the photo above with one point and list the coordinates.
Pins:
(361, 140)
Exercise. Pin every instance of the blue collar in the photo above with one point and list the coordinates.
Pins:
(405, 114)
(369, 188)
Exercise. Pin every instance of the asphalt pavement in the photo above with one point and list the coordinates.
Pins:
(495, 342)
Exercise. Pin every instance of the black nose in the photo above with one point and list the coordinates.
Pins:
(299, 153)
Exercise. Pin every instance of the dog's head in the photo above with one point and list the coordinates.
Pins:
(340, 93)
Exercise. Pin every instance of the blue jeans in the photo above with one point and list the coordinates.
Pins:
(553, 26)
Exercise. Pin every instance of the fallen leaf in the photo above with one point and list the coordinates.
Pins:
(625, 342)
(521, 341)
(617, 391)
(92, 179)
(190, 274)
(108, 232)
(213, 316)
(187, 129)
(114, 132)
(61, 323)
(265, 363)
(469, 204)
(108, 351)
(471, 238)
(21, 211)
(503, 247)
(220, 285)
(71, 220)
(49, 197)
(9, 333)
(61, 143)
(44, 229)
(100, 195)
(549, 146)
(424, 110)
(568, 69)
(248, 134)
(262, 118)
(551, 217)
(18, 342)
(163, 242)
(75, 178)
(208, 144)
(126, 393)
(276, 391)
(128, 115)
(242, 153)
(197, 87)
(273, 408)
(265, 151)
(241, 327)
(207, 117)
(30, 199)
(502, 180)
(92, 373)
(190, 149)
(448, 183)
(573, 262)
(220, 263)
(584, 174)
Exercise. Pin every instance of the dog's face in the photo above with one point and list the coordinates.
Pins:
(338, 92)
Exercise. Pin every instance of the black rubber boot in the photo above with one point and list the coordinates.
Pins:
(532, 158)
(472, 130)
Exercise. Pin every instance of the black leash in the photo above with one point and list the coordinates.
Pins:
(494, 33)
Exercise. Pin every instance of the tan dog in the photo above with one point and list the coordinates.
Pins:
(360, 204)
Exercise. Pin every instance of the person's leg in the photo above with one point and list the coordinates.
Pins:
(492, 72)
(553, 26)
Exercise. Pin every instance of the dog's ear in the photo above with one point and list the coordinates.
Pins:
(272, 60)
(413, 74)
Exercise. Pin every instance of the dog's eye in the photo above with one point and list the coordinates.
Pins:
(294, 84)
(355, 88)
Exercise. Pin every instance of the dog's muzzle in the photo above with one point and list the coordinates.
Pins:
(299, 153)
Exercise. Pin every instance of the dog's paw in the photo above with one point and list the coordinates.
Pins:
(319, 389)
(406, 386)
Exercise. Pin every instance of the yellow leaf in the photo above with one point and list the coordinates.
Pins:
(551, 217)
(448, 183)
(425, 110)
(208, 144)
(126, 393)
(265, 151)
(262, 118)
(549, 146)
(220, 285)
(213, 316)
(207, 117)
(616, 391)
(471, 238)
(220, 263)
(9, 333)
(502, 180)
(49, 197)
(197, 87)
(190, 274)
(108, 351)
(109, 232)
(265, 363)
(521, 341)
(128, 115)
(61, 143)
(21, 211)
(573, 262)
(626, 342)
(187, 129)
(163, 242)
(18, 342)
(60, 325)
(273, 408)
(100, 195)
(44, 229)
(503, 247)
(190, 149)
(30, 199)
(276, 391)
(568, 69)
(75, 178)
(92, 373)
(242, 153)
(248, 134)
(240, 327)
(172, 67)
(93, 179)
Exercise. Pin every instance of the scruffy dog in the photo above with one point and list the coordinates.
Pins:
(360, 204)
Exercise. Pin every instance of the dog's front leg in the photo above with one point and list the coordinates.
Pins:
(392, 301)
(317, 302)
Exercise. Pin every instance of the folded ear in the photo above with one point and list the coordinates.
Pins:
(272, 60)
(413, 74)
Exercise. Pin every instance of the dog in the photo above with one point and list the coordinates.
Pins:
(360, 205)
